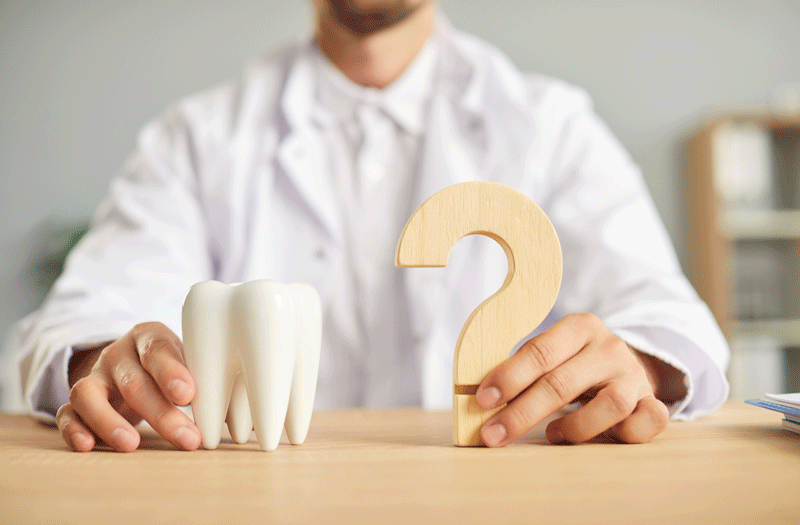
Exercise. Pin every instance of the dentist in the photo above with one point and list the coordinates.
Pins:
(305, 168)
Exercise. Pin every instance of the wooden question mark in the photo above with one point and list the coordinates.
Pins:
(528, 293)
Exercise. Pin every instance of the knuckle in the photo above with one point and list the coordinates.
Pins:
(114, 352)
(617, 400)
(62, 411)
(620, 347)
(62, 416)
(161, 417)
(146, 349)
(130, 382)
(149, 326)
(150, 349)
(510, 379)
(519, 419)
(613, 347)
(586, 321)
(81, 389)
(540, 354)
(557, 386)
(111, 352)
(155, 330)
(69, 428)
(659, 415)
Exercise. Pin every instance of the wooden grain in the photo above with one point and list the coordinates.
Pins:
(530, 243)
(398, 466)
(468, 418)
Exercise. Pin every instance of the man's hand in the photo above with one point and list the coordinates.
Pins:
(142, 375)
(578, 359)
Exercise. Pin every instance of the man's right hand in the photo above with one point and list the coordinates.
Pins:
(142, 375)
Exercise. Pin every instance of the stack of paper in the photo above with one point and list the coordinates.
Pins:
(786, 404)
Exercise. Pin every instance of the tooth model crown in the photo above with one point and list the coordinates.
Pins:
(257, 342)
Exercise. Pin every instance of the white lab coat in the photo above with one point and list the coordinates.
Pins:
(230, 185)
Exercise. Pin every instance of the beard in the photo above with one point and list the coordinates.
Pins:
(363, 21)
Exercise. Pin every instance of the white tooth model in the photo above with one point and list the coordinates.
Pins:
(257, 341)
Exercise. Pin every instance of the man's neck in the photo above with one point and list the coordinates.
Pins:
(378, 59)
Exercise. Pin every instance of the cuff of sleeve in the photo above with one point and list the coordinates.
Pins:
(646, 347)
(50, 390)
(699, 400)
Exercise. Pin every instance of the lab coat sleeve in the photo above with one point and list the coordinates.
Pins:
(147, 245)
(619, 262)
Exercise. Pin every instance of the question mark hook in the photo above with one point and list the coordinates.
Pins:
(528, 293)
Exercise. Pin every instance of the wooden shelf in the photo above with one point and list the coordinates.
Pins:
(785, 331)
(761, 224)
(775, 120)
(724, 269)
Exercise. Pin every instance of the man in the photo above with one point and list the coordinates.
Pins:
(305, 169)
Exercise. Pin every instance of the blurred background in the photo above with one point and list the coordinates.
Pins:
(78, 79)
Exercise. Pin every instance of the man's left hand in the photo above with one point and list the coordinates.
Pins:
(577, 359)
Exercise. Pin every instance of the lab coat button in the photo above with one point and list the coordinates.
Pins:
(319, 254)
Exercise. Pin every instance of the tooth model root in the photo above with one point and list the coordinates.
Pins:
(240, 424)
(253, 350)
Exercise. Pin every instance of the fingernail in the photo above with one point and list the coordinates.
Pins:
(123, 438)
(494, 435)
(488, 397)
(179, 389)
(187, 438)
(81, 441)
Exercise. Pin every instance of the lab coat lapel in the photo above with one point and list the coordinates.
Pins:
(300, 152)
(454, 151)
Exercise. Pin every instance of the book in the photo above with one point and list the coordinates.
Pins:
(788, 399)
(791, 425)
(783, 408)
(786, 404)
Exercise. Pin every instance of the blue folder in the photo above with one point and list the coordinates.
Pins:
(777, 407)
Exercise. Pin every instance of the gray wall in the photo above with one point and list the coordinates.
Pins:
(78, 79)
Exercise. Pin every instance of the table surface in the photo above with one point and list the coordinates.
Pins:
(399, 466)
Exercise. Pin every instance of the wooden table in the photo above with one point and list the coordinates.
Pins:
(399, 466)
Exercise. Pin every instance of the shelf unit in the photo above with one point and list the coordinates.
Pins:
(786, 331)
(760, 224)
(744, 254)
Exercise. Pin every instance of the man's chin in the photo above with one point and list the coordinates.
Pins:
(364, 21)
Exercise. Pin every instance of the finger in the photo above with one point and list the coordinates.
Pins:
(648, 420)
(536, 357)
(89, 399)
(127, 412)
(74, 432)
(161, 355)
(140, 391)
(610, 406)
(550, 393)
